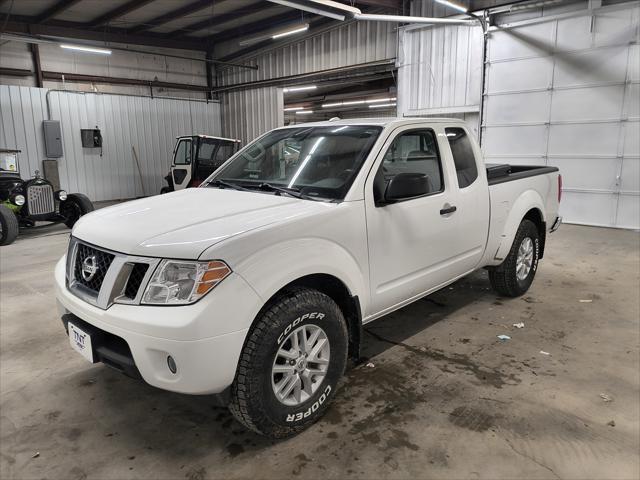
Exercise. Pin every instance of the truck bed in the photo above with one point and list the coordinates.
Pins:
(500, 173)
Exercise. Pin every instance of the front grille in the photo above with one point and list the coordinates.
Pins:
(88, 260)
(40, 199)
(135, 280)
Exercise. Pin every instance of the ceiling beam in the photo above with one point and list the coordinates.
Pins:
(268, 23)
(395, 4)
(54, 10)
(219, 19)
(60, 29)
(173, 15)
(118, 12)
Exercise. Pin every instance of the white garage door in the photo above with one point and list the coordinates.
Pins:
(565, 91)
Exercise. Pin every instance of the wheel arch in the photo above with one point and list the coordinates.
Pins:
(529, 205)
(335, 289)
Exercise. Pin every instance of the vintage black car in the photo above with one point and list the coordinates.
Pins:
(25, 202)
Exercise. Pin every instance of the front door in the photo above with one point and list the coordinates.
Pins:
(410, 242)
(182, 161)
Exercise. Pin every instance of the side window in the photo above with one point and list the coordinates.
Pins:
(463, 156)
(183, 153)
(414, 151)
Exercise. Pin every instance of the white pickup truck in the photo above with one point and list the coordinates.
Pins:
(255, 285)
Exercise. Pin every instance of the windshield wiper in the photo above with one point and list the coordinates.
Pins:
(223, 183)
(288, 191)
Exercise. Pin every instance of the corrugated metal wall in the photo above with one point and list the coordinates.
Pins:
(249, 113)
(440, 70)
(349, 44)
(150, 125)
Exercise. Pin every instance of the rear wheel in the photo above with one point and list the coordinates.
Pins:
(514, 276)
(8, 226)
(75, 206)
(290, 365)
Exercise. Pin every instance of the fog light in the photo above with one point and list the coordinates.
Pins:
(18, 200)
(62, 195)
(171, 363)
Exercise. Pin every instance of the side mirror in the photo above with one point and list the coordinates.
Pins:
(406, 185)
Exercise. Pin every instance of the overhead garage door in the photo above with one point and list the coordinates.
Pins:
(565, 92)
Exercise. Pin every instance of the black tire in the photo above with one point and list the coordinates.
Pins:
(164, 190)
(253, 400)
(75, 206)
(8, 226)
(504, 278)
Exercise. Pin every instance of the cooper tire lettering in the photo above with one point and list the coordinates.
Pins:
(300, 319)
(295, 417)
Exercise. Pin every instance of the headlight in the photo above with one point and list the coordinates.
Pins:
(178, 282)
(18, 200)
(62, 195)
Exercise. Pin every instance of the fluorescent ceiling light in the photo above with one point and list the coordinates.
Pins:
(303, 28)
(275, 34)
(339, 129)
(80, 48)
(378, 100)
(329, 105)
(326, 8)
(293, 109)
(407, 19)
(453, 5)
(303, 112)
(382, 105)
(354, 102)
(299, 89)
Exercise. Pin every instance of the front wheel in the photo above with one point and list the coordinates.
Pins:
(514, 276)
(290, 364)
(8, 226)
(75, 206)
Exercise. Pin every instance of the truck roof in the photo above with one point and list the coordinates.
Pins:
(382, 121)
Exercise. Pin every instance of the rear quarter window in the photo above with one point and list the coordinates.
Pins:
(463, 156)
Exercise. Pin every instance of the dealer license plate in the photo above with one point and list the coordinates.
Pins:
(81, 342)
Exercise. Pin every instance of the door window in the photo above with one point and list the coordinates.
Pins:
(463, 156)
(183, 153)
(414, 151)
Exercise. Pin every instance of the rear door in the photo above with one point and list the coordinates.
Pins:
(472, 197)
(182, 161)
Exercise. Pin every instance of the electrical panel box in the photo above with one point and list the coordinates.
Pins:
(91, 137)
(52, 138)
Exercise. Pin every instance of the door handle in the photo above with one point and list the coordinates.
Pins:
(448, 209)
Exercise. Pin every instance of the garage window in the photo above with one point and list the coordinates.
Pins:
(463, 156)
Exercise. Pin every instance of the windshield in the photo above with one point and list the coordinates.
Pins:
(317, 162)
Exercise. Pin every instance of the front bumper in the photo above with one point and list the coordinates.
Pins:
(205, 339)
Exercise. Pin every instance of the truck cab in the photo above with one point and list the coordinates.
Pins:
(195, 157)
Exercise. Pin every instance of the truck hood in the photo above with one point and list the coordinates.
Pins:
(183, 224)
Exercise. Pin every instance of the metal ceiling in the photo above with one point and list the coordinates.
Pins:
(186, 24)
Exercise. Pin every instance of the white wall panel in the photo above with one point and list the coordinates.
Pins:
(250, 113)
(439, 68)
(517, 108)
(150, 125)
(565, 91)
(532, 74)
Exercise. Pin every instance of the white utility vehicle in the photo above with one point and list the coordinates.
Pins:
(259, 293)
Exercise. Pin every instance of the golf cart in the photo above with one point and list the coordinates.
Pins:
(25, 202)
(195, 158)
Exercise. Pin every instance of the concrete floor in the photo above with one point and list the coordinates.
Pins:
(444, 399)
